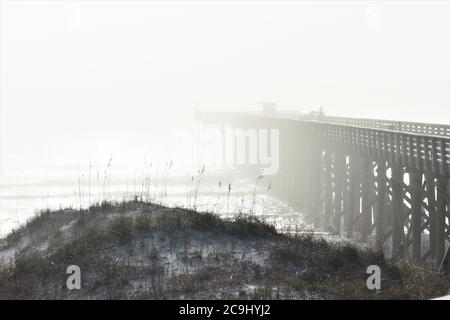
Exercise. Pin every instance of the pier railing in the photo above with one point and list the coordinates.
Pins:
(413, 127)
(379, 179)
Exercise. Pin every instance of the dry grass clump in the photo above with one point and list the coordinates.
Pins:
(139, 250)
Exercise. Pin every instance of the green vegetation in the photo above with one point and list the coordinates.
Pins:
(139, 250)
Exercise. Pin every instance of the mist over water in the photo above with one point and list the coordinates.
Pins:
(221, 191)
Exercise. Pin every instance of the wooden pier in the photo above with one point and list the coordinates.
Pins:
(362, 178)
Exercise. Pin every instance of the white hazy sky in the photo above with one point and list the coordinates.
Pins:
(78, 72)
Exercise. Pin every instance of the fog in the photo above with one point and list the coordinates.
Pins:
(83, 80)
(114, 119)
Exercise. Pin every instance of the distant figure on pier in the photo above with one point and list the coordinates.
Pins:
(321, 114)
(315, 115)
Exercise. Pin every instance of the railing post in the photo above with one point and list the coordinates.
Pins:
(398, 232)
(301, 171)
(339, 173)
(349, 214)
(316, 181)
(307, 177)
(366, 199)
(381, 202)
(291, 190)
(431, 199)
(416, 214)
(328, 188)
(441, 210)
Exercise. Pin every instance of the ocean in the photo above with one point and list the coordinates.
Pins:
(227, 192)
